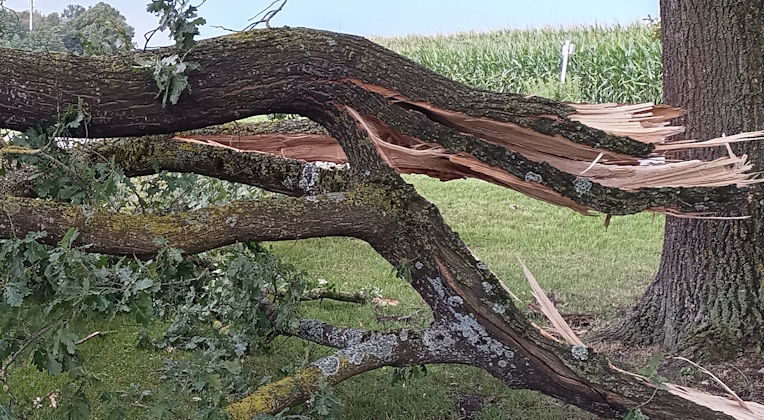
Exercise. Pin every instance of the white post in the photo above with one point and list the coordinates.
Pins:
(568, 49)
(31, 14)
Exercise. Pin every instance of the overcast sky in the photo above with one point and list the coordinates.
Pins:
(388, 17)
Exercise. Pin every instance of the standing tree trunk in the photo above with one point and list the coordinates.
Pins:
(705, 300)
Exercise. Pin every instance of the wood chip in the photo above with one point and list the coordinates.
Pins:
(384, 302)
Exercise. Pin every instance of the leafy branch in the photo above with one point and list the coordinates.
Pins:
(169, 74)
(179, 18)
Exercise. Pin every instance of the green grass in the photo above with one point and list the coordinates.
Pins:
(590, 269)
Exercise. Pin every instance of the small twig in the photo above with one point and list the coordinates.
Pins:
(321, 293)
(40, 401)
(648, 400)
(717, 380)
(91, 335)
(383, 319)
(4, 370)
(224, 28)
(18, 150)
(32, 338)
(13, 229)
(269, 14)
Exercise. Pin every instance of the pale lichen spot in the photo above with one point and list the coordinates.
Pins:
(312, 330)
(470, 329)
(312, 198)
(11, 208)
(231, 221)
(582, 186)
(700, 207)
(502, 363)
(499, 308)
(329, 365)
(437, 340)
(487, 287)
(437, 284)
(381, 346)
(336, 197)
(455, 301)
(532, 176)
(88, 211)
(308, 177)
(419, 265)
(580, 352)
(354, 355)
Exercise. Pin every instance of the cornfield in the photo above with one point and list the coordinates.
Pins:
(611, 63)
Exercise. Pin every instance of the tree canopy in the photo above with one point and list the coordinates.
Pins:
(99, 29)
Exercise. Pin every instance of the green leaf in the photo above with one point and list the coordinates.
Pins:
(143, 307)
(40, 359)
(15, 292)
(71, 236)
(232, 366)
(74, 406)
(54, 366)
(142, 284)
(116, 413)
(6, 413)
(655, 361)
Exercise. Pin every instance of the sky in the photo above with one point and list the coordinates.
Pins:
(388, 17)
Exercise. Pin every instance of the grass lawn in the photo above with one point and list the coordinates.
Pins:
(588, 268)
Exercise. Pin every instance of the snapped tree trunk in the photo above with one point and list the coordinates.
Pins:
(705, 300)
(386, 114)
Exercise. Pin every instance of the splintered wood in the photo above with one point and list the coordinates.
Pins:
(407, 154)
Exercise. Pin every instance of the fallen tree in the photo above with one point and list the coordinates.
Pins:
(381, 113)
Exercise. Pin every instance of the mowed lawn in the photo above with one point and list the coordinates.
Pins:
(590, 269)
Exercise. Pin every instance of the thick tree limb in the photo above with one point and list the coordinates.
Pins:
(334, 214)
(142, 156)
(539, 146)
(626, 189)
(371, 352)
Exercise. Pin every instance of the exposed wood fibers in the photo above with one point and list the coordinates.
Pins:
(643, 122)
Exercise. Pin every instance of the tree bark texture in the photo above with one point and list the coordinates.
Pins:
(541, 145)
(706, 299)
(371, 101)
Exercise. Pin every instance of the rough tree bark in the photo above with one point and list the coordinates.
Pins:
(705, 300)
(382, 110)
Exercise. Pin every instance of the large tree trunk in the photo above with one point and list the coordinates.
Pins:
(385, 113)
(705, 300)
